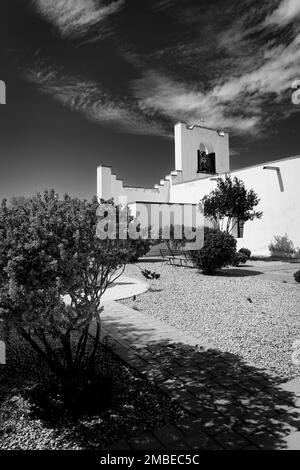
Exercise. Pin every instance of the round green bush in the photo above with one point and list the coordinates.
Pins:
(218, 251)
(297, 276)
(245, 252)
(239, 258)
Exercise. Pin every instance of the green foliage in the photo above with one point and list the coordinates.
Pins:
(217, 252)
(17, 201)
(230, 202)
(246, 252)
(297, 276)
(239, 258)
(137, 249)
(49, 250)
(150, 274)
(282, 246)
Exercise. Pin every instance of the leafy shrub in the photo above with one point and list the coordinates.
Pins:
(239, 258)
(150, 274)
(137, 249)
(217, 252)
(49, 250)
(282, 246)
(246, 252)
(296, 253)
(297, 276)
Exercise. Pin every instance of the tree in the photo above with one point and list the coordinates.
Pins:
(49, 250)
(230, 202)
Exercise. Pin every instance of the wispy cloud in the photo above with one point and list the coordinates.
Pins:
(179, 101)
(75, 18)
(287, 11)
(245, 78)
(231, 67)
(87, 97)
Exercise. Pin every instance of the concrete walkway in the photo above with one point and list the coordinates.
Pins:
(123, 288)
(230, 404)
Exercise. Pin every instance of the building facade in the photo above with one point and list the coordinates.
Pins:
(202, 155)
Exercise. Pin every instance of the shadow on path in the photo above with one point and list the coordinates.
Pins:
(231, 404)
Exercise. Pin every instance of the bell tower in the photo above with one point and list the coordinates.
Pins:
(200, 152)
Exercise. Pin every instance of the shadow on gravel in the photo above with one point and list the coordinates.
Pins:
(237, 272)
(33, 414)
(120, 283)
(230, 404)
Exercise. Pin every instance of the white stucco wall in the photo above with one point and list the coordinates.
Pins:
(281, 209)
(280, 205)
(147, 194)
(109, 186)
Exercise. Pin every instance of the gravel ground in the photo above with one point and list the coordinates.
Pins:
(137, 406)
(256, 318)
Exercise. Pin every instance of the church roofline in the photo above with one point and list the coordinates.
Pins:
(191, 126)
(266, 163)
(218, 175)
(138, 187)
(167, 203)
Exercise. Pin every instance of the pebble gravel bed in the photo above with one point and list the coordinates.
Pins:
(137, 406)
(253, 317)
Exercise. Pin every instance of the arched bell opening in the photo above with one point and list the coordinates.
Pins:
(206, 159)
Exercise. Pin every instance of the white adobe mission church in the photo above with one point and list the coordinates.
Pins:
(202, 155)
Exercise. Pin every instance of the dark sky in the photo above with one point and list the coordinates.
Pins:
(94, 82)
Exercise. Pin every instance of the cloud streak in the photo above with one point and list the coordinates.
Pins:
(233, 68)
(246, 79)
(87, 97)
(178, 101)
(75, 18)
(287, 11)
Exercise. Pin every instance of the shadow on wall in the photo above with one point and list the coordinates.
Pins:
(279, 176)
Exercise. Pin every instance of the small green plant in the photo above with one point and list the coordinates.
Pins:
(150, 274)
(218, 251)
(297, 276)
(246, 252)
(282, 246)
(239, 258)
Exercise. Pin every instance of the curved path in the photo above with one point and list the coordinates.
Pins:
(123, 288)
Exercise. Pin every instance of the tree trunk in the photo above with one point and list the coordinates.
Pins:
(54, 365)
